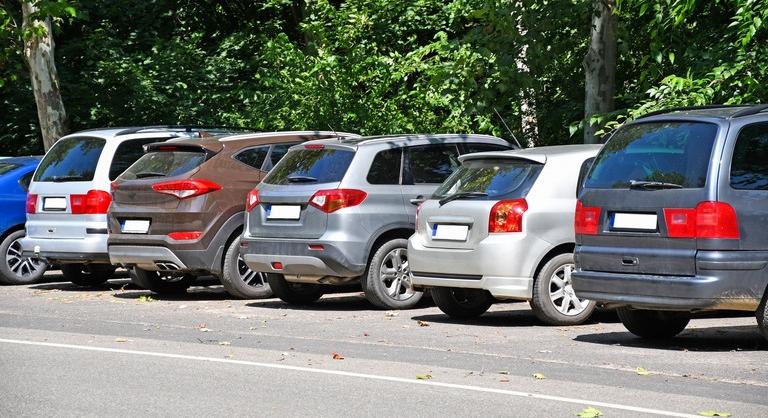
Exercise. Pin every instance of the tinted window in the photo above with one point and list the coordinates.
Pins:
(670, 152)
(498, 179)
(25, 180)
(126, 154)
(432, 164)
(254, 157)
(164, 164)
(6, 167)
(470, 148)
(749, 168)
(71, 159)
(585, 166)
(278, 152)
(385, 168)
(300, 166)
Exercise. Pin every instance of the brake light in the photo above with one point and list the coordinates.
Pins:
(91, 203)
(587, 219)
(709, 220)
(185, 235)
(184, 189)
(507, 216)
(31, 203)
(314, 146)
(334, 199)
(252, 200)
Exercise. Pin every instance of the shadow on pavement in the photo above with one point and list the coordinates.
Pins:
(114, 284)
(512, 318)
(735, 338)
(349, 301)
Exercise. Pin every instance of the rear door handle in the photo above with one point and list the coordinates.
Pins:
(418, 200)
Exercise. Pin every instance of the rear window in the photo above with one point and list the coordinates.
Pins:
(497, 178)
(7, 167)
(126, 154)
(749, 168)
(71, 159)
(164, 164)
(668, 152)
(301, 165)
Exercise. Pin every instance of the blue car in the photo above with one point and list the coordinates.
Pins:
(15, 175)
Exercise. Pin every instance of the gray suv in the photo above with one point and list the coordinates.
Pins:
(671, 219)
(339, 212)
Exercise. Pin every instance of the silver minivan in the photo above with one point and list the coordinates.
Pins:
(70, 194)
(501, 227)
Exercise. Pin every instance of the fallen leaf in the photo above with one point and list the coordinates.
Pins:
(589, 413)
(337, 356)
(145, 298)
(390, 314)
(503, 371)
(422, 323)
(225, 343)
(121, 340)
(642, 372)
(714, 414)
(365, 334)
(423, 376)
(203, 329)
(504, 380)
(539, 376)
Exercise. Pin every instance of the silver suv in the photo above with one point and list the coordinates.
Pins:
(70, 193)
(501, 227)
(339, 212)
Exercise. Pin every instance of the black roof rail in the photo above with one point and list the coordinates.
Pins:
(752, 110)
(684, 108)
(184, 128)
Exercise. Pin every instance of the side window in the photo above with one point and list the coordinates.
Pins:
(432, 164)
(585, 166)
(126, 154)
(25, 180)
(278, 152)
(386, 167)
(253, 157)
(749, 167)
(470, 148)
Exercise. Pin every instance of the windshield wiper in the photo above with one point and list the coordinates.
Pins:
(59, 179)
(301, 179)
(461, 195)
(652, 185)
(146, 174)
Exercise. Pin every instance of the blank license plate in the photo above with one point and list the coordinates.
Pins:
(638, 221)
(135, 227)
(450, 232)
(283, 212)
(54, 203)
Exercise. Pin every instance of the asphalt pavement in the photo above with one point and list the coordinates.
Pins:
(118, 351)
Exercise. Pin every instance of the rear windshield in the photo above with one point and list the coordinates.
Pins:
(496, 179)
(164, 164)
(668, 152)
(302, 166)
(71, 159)
(6, 167)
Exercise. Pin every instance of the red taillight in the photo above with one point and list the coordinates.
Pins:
(587, 219)
(31, 203)
(94, 202)
(314, 146)
(185, 235)
(709, 220)
(507, 216)
(277, 265)
(186, 188)
(334, 199)
(252, 200)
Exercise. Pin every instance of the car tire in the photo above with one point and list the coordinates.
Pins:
(239, 280)
(654, 325)
(554, 301)
(462, 303)
(161, 282)
(762, 316)
(87, 274)
(387, 281)
(294, 293)
(15, 269)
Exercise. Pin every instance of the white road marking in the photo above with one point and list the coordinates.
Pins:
(582, 402)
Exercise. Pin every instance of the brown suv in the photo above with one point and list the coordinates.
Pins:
(178, 212)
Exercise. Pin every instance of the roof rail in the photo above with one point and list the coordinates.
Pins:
(684, 108)
(752, 110)
(184, 128)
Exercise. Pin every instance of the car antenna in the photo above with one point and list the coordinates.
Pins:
(334, 131)
(508, 130)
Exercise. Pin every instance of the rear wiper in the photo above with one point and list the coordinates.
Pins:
(652, 185)
(461, 195)
(301, 179)
(66, 178)
(146, 174)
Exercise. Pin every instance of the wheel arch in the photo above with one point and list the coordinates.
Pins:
(387, 234)
(564, 248)
(230, 229)
(10, 230)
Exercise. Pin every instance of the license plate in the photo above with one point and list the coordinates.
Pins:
(636, 221)
(134, 227)
(55, 203)
(450, 232)
(283, 212)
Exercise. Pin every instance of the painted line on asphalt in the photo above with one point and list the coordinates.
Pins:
(583, 402)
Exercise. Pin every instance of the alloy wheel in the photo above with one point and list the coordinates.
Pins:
(561, 292)
(395, 275)
(21, 266)
(248, 276)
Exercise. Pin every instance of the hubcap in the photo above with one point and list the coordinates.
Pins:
(248, 276)
(561, 292)
(19, 265)
(395, 275)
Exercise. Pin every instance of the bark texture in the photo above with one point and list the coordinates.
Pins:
(39, 55)
(600, 66)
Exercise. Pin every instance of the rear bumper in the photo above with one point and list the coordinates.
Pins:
(90, 249)
(502, 287)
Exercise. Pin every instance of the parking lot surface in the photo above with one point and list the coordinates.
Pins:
(117, 351)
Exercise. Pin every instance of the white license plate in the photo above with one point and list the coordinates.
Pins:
(135, 227)
(450, 232)
(54, 203)
(283, 212)
(639, 221)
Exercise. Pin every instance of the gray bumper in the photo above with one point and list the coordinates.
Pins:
(298, 260)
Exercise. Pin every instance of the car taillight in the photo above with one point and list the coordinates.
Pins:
(587, 219)
(31, 203)
(314, 146)
(709, 220)
(252, 200)
(507, 216)
(334, 199)
(185, 235)
(94, 202)
(186, 188)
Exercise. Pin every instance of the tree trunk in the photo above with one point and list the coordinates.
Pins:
(38, 53)
(600, 66)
